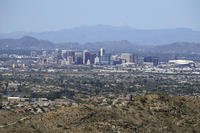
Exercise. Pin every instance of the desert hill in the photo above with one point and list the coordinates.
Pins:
(144, 113)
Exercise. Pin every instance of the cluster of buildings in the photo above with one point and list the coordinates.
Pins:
(70, 57)
(86, 57)
(62, 58)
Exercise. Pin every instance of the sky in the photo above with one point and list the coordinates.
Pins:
(50, 15)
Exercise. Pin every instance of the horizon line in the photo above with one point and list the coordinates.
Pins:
(115, 26)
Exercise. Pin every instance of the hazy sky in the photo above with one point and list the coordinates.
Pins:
(46, 15)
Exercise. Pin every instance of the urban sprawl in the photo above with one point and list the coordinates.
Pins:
(43, 80)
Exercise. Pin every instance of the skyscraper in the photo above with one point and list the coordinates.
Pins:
(96, 60)
(102, 52)
(78, 57)
(86, 56)
(105, 59)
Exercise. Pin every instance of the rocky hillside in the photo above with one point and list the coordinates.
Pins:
(25, 42)
(144, 113)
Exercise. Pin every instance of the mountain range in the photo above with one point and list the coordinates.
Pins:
(101, 33)
(31, 43)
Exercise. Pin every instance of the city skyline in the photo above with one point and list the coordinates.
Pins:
(99, 66)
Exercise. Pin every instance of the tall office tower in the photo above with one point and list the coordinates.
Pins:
(79, 60)
(127, 57)
(96, 60)
(92, 58)
(105, 59)
(57, 55)
(102, 52)
(86, 56)
(78, 57)
(88, 62)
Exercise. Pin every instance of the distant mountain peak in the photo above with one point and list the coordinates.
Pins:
(25, 42)
(99, 33)
(28, 38)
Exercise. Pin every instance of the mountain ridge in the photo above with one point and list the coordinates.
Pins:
(84, 34)
(31, 43)
(26, 42)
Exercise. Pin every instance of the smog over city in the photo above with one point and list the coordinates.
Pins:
(99, 66)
